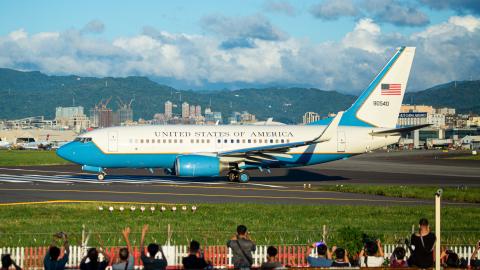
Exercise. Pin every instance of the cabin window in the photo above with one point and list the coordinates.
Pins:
(260, 140)
(164, 140)
(158, 141)
(198, 140)
(243, 140)
(169, 140)
(203, 141)
(219, 141)
(254, 140)
(282, 140)
(136, 140)
(192, 141)
(249, 141)
(147, 140)
(141, 140)
(225, 141)
(238, 140)
(271, 140)
(288, 140)
(208, 140)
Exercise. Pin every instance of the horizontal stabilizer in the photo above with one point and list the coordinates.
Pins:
(398, 131)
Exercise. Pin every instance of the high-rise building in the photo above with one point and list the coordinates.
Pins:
(168, 110)
(185, 110)
(64, 113)
(192, 111)
(309, 117)
(198, 111)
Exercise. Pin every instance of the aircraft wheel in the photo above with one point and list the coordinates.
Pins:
(232, 176)
(243, 177)
(101, 176)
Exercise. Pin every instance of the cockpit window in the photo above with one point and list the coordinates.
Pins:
(83, 139)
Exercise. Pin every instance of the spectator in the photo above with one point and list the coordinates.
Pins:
(52, 260)
(125, 254)
(423, 244)
(93, 263)
(324, 256)
(449, 258)
(242, 247)
(7, 262)
(151, 263)
(195, 258)
(398, 258)
(272, 262)
(371, 254)
(341, 257)
(474, 262)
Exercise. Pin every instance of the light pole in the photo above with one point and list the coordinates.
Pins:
(438, 196)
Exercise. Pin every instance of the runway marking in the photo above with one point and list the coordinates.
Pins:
(219, 195)
(30, 170)
(264, 185)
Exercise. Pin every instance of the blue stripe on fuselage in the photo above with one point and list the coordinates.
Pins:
(90, 154)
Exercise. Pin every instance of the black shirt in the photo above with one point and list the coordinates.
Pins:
(193, 262)
(89, 266)
(422, 255)
(153, 264)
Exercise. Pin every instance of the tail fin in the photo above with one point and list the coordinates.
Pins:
(379, 104)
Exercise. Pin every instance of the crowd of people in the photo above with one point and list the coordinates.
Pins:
(421, 246)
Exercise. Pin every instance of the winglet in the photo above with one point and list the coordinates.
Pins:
(331, 129)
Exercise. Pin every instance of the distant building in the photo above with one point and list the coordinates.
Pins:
(198, 110)
(406, 119)
(436, 120)
(310, 117)
(192, 111)
(185, 110)
(72, 118)
(124, 114)
(473, 121)
(406, 108)
(168, 110)
(212, 117)
(101, 116)
(445, 111)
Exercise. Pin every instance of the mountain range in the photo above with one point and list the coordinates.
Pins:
(24, 94)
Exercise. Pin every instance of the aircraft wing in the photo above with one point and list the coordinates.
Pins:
(398, 131)
(326, 135)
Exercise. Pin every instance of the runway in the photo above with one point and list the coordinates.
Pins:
(283, 186)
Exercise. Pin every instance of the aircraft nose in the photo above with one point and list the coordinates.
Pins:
(66, 152)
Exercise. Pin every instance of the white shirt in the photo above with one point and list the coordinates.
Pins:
(372, 261)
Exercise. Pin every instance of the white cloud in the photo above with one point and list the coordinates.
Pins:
(446, 51)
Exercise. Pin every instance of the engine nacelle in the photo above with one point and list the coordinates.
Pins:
(199, 165)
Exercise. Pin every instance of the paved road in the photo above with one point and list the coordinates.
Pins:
(284, 186)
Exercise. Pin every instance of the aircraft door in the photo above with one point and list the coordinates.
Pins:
(341, 141)
(112, 141)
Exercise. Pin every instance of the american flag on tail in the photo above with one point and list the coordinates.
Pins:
(391, 89)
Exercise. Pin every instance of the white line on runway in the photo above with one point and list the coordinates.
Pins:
(35, 179)
(30, 170)
(264, 185)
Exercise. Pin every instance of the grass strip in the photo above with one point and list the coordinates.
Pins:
(30, 158)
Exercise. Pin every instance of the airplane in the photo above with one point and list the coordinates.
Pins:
(212, 150)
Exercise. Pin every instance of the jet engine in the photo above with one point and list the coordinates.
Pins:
(199, 165)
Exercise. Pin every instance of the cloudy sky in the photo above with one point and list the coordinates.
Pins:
(329, 44)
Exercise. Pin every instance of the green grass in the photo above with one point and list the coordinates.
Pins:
(469, 157)
(213, 224)
(463, 194)
(29, 157)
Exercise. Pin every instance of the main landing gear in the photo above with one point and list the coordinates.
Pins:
(101, 176)
(238, 176)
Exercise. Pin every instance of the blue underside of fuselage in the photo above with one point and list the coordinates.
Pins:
(90, 154)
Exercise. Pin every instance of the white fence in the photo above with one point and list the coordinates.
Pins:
(32, 258)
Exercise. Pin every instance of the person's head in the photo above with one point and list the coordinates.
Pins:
(6, 261)
(92, 254)
(194, 246)
(399, 253)
(322, 250)
(54, 253)
(241, 230)
(452, 259)
(123, 254)
(153, 249)
(272, 251)
(423, 223)
(339, 254)
(371, 248)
